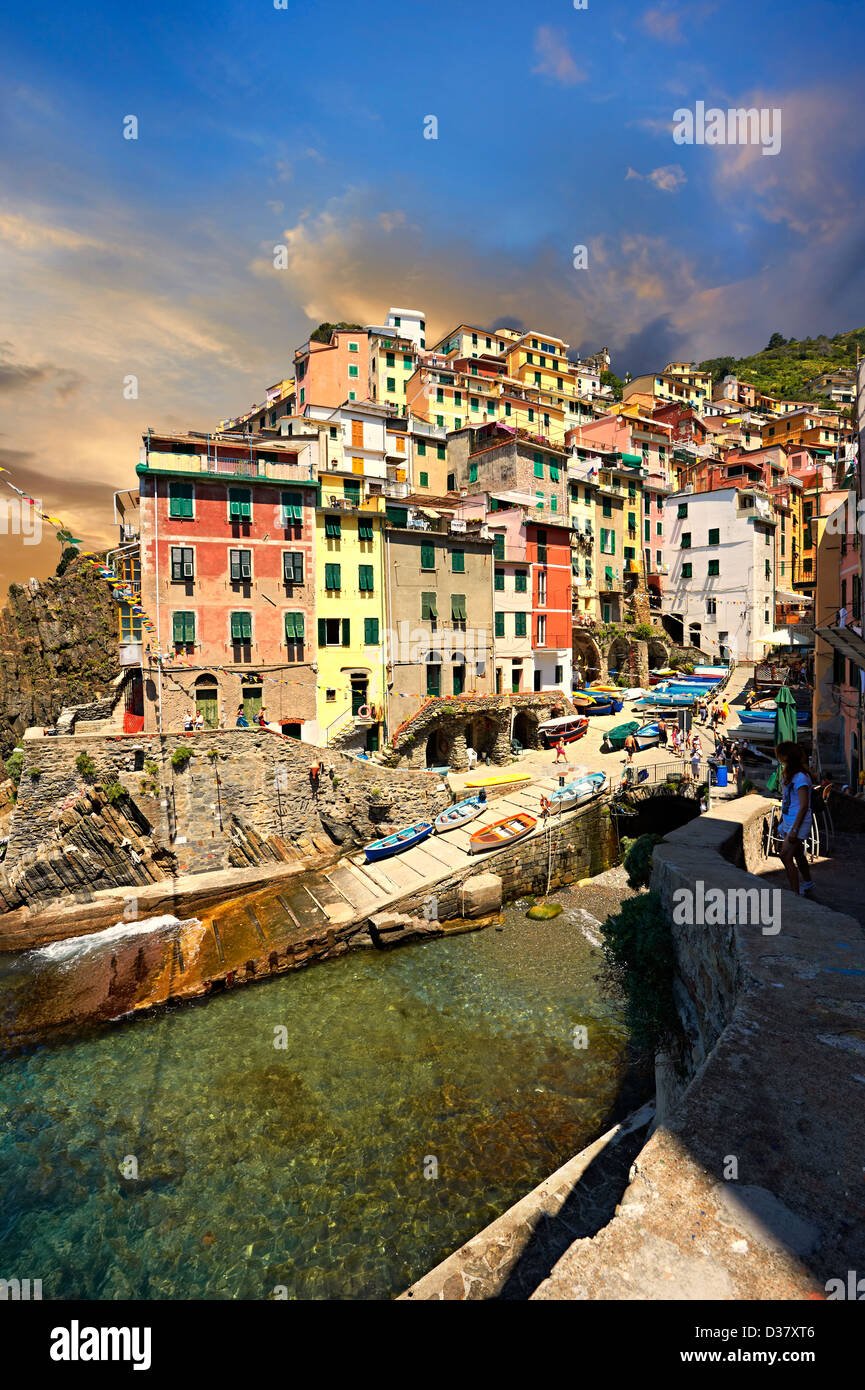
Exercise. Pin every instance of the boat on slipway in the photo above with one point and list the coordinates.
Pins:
(502, 832)
(459, 814)
(399, 841)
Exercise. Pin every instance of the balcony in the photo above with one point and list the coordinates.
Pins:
(228, 466)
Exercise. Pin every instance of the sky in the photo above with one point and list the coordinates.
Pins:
(303, 127)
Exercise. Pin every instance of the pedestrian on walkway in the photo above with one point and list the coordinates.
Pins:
(725, 711)
(796, 819)
(630, 747)
(560, 752)
(695, 764)
(662, 733)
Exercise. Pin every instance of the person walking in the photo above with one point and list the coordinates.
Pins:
(560, 752)
(695, 764)
(662, 733)
(796, 815)
(630, 747)
(725, 711)
(241, 722)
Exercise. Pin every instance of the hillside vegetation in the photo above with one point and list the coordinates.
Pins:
(784, 365)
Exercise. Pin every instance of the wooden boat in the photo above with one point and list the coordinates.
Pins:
(584, 704)
(579, 791)
(616, 736)
(568, 729)
(662, 674)
(459, 814)
(647, 736)
(767, 716)
(604, 707)
(502, 832)
(396, 843)
(601, 689)
(498, 779)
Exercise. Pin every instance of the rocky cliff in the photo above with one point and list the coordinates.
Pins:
(58, 646)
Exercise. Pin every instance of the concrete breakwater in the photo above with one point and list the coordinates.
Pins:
(306, 918)
(748, 1187)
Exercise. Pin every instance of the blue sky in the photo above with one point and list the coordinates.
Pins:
(304, 127)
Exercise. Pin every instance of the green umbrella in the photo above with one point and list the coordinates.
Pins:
(785, 729)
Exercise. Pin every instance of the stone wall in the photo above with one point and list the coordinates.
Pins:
(240, 786)
(486, 719)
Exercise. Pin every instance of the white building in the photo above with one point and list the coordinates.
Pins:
(408, 323)
(719, 549)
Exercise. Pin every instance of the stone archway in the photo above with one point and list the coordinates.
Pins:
(526, 728)
(658, 654)
(587, 658)
(619, 656)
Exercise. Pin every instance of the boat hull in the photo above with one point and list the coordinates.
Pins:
(502, 832)
(503, 779)
(579, 792)
(396, 843)
(460, 814)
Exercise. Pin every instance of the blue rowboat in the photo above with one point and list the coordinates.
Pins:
(601, 704)
(458, 814)
(396, 843)
(648, 736)
(576, 793)
(765, 716)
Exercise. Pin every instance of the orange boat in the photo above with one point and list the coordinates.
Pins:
(502, 832)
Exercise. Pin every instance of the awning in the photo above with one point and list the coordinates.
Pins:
(784, 637)
(787, 596)
(845, 641)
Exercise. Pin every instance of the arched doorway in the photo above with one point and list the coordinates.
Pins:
(587, 659)
(657, 654)
(437, 748)
(619, 657)
(526, 729)
(480, 734)
(207, 700)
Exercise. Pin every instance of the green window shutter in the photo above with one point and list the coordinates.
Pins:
(606, 508)
(458, 608)
(292, 507)
(521, 581)
(554, 473)
(239, 503)
(499, 620)
(427, 557)
(391, 359)
(241, 627)
(397, 516)
(351, 492)
(608, 571)
(424, 479)
(499, 545)
(370, 632)
(539, 466)
(391, 383)
(539, 501)
(293, 628)
(292, 567)
(686, 540)
(683, 510)
(433, 680)
(333, 576)
(519, 624)
(353, 372)
(364, 530)
(632, 521)
(346, 632)
(628, 552)
(441, 451)
(458, 561)
(686, 571)
(715, 567)
(499, 579)
(428, 608)
(322, 632)
(473, 472)
(365, 580)
(180, 499)
(407, 364)
(183, 625)
(421, 448)
(715, 536)
(554, 502)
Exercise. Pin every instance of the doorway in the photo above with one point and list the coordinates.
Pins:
(207, 703)
(359, 691)
(251, 696)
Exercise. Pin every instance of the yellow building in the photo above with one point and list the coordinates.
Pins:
(392, 360)
(350, 610)
(682, 382)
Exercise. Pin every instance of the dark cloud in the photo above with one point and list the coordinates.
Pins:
(652, 346)
(20, 376)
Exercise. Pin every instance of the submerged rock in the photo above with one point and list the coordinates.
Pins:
(544, 911)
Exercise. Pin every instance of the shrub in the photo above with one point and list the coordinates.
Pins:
(152, 769)
(14, 764)
(637, 859)
(180, 757)
(644, 631)
(86, 766)
(688, 668)
(640, 963)
(213, 754)
(114, 792)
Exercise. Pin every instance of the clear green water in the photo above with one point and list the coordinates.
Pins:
(304, 1167)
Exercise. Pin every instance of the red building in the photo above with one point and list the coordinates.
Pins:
(227, 536)
(548, 551)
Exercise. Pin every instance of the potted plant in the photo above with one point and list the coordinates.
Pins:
(379, 803)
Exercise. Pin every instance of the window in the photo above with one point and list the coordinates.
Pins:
(433, 679)
(351, 490)
(499, 579)
(559, 676)
(458, 610)
(352, 347)
(333, 577)
(428, 606)
(180, 497)
(182, 563)
(333, 431)
(239, 503)
(353, 371)
(714, 568)
(294, 629)
(390, 358)
(683, 510)
(499, 624)
(407, 364)
(333, 527)
(390, 383)
(183, 629)
(240, 562)
(687, 571)
(542, 630)
(440, 451)
(331, 632)
(521, 581)
(606, 509)
(714, 535)
(711, 607)
(421, 448)
(364, 529)
(554, 502)
(364, 579)
(427, 557)
(458, 561)
(370, 632)
(519, 624)
(424, 479)
(686, 540)
(768, 569)
(473, 472)
(292, 567)
(539, 501)
(659, 528)
(241, 627)
(440, 395)
(292, 503)
(542, 588)
(499, 545)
